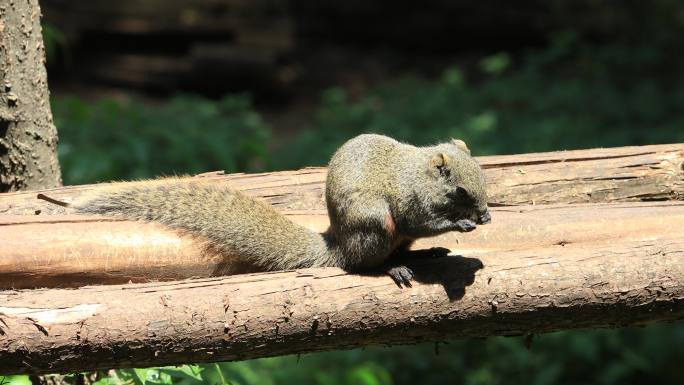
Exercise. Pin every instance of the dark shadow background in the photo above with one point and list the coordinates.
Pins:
(143, 88)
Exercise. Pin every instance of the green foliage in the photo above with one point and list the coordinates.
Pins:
(181, 375)
(54, 41)
(15, 380)
(569, 96)
(128, 139)
(590, 356)
(495, 64)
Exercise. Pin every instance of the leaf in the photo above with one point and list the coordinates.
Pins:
(495, 64)
(15, 380)
(139, 376)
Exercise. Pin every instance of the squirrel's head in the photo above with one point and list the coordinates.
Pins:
(461, 182)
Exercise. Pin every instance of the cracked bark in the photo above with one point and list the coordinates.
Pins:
(28, 138)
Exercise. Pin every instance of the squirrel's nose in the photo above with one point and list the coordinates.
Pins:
(484, 218)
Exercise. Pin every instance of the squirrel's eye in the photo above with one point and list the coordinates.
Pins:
(461, 192)
(444, 171)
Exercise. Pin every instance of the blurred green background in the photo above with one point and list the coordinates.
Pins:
(506, 78)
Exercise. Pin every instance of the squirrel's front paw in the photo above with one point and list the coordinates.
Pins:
(465, 225)
(401, 275)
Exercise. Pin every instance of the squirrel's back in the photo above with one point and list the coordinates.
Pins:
(362, 165)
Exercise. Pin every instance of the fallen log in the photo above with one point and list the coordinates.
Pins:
(73, 250)
(621, 174)
(543, 268)
(63, 250)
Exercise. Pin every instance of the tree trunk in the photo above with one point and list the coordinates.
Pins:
(28, 138)
(543, 269)
(63, 250)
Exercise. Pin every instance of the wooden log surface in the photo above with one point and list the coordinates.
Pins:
(621, 174)
(66, 250)
(535, 269)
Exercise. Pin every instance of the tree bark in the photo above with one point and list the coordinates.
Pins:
(544, 268)
(28, 138)
(63, 250)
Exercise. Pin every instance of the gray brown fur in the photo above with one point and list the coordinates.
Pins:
(373, 176)
(381, 195)
(233, 223)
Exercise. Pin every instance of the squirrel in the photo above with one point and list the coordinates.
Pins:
(381, 195)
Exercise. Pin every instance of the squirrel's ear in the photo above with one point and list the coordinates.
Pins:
(461, 145)
(439, 163)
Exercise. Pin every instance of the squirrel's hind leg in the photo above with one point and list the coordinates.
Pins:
(396, 268)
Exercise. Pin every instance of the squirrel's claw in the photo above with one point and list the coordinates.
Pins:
(401, 275)
(465, 225)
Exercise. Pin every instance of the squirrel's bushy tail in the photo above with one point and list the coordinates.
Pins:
(233, 223)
